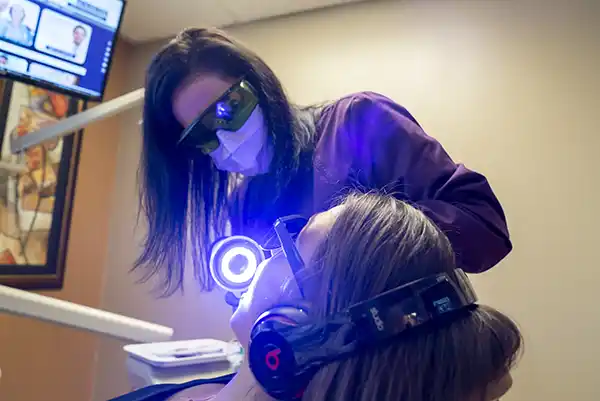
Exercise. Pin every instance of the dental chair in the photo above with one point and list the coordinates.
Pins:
(151, 359)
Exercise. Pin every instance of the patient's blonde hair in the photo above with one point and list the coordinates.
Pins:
(379, 243)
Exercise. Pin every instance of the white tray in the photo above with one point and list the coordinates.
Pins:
(181, 353)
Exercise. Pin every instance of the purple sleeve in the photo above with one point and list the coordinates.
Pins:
(392, 151)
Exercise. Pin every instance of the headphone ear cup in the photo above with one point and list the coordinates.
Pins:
(271, 357)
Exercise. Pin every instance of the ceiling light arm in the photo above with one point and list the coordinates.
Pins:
(78, 121)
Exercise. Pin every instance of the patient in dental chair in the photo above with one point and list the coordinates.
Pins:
(355, 322)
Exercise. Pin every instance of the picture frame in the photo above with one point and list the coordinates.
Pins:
(37, 188)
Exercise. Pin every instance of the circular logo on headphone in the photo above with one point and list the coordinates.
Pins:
(271, 357)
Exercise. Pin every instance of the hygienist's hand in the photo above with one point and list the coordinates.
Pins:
(232, 300)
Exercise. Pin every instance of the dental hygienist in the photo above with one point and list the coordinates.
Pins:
(222, 142)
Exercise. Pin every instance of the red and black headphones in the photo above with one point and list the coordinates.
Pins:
(287, 348)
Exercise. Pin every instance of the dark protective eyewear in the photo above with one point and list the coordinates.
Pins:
(293, 224)
(288, 243)
(230, 112)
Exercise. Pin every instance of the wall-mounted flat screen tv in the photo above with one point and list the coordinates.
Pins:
(61, 45)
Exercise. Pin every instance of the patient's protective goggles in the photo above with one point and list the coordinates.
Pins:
(229, 112)
(234, 260)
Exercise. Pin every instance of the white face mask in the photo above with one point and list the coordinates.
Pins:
(246, 150)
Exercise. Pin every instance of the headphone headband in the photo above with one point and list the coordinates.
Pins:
(283, 356)
(411, 305)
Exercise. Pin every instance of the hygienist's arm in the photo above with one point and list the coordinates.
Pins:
(391, 150)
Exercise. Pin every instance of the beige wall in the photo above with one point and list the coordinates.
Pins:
(42, 361)
(511, 90)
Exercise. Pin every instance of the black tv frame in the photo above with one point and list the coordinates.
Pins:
(4, 74)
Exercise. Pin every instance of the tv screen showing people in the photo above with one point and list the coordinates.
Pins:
(66, 45)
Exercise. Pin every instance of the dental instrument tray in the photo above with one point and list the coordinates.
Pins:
(182, 353)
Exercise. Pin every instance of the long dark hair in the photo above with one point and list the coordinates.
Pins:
(183, 196)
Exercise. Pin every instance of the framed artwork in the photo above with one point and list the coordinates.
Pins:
(36, 188)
